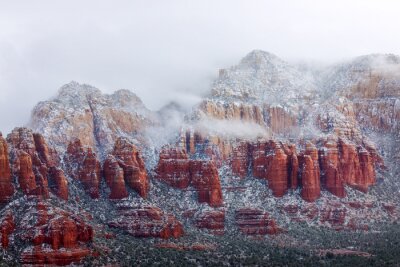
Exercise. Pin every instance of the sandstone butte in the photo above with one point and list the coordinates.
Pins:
(35, 165)
(177, 170)
(83, 165)
(126, 157)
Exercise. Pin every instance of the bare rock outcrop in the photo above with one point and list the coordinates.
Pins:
(6, 186)
(147, 221)
(82, 164)
(94, 118)
(135, 176)
(177, 170)
(252, 221)
(67, 234)
(35, 164)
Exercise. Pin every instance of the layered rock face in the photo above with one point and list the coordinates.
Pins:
(35, 164)
(95, 118)
(255, 222)
(64, 232)
(6, 186)
(83, 165)
(147, 222)
(131, 162)
(177, 170)
(174, 167)
(205, 179)
(211, 220)
(277, 118)
(211, 146)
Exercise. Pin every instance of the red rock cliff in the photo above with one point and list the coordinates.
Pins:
(6, 186)
(331, 173)
(173, 167)
(67, 234)
(310, 174)
(177, 170)
(31, 161)
(271, 163)
(205, 179)
(82, 164)
(130, 160)
(114, 175)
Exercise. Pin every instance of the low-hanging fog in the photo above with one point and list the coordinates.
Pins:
(171, 50)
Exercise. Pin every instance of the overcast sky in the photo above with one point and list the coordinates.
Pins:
(165, 50)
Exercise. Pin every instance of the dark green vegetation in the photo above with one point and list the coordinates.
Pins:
(298, 247)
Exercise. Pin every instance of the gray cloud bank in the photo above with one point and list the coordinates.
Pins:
(171, 50)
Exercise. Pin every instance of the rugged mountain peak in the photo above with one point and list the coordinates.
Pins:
(84, 112)
(76, 93)
(260, 59)
(262, 76)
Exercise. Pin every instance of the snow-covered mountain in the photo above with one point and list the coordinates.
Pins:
(263, 77)
(275, 149)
